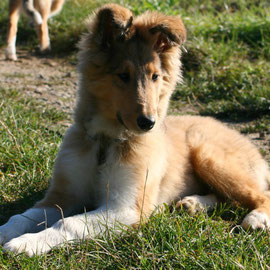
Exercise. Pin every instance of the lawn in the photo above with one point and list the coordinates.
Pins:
(226, 75)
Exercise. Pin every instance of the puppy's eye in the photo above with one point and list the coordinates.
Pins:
(155, 77)
(124, 77)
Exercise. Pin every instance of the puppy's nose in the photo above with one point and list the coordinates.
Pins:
(145, 123)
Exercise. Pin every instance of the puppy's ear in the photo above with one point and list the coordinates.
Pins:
(167, 31)
(112, 23)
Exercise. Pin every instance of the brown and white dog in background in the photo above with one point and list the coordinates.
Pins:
(123, 156)
(39, 11)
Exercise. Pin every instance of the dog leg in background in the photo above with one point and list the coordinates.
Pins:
(14, 14)
(56, 7)
(42, 29)
(28, 6)
(82, 226)
(33, 220)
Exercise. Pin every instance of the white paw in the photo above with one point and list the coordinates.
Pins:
(45, 48)
(256, 220)
(197, 203)
(31, 244)
(7, 232)
(10, 54)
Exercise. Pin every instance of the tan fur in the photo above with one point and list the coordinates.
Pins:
(123, 156)
(168, 160)
(45, 9)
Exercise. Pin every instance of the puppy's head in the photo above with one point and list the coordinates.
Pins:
(130, 66)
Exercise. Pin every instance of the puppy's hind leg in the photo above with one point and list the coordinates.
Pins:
(221, 171)
(14, 14)
(196, 203)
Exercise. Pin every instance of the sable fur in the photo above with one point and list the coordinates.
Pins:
(107, 164)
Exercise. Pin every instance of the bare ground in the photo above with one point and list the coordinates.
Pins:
(50, 80)
(53, 81)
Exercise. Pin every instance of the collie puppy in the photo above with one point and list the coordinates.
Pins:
(123, 156)
(39, 11)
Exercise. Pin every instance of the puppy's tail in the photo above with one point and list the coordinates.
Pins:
(56, 7)
(30, 10)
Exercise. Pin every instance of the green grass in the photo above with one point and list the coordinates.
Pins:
(226, 67)
(28, 145)
(226, 75)
(168, 241)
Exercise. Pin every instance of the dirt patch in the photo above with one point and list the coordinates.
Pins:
(53, 81)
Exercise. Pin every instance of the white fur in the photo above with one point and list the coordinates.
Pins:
(117, 185)
(37, 18)
(79, 168)
(33, 220)
(80, 226)
(115, 190)
(10, 50)
(30, 10)
(256, 220)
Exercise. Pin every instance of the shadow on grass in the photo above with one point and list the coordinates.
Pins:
(253, 34)
(237, 115)
(17, 207)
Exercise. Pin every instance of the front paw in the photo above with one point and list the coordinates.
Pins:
(31, 244)
(10, 53)
(7, 232)
(36, 243)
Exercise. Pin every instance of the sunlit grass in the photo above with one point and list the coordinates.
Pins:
(226, 74)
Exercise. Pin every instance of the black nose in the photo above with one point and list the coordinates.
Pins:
(145, 123)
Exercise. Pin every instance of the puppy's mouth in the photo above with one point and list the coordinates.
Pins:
(120, 119)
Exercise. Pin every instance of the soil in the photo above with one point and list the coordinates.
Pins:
(53, 81)
(50, 80)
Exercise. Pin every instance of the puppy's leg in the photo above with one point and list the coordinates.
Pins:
(33, 220)
(82, 226)
(196, 203)
(220, 170)
(70, 189)
(14, 13)
(56, 205)
(71, 163)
